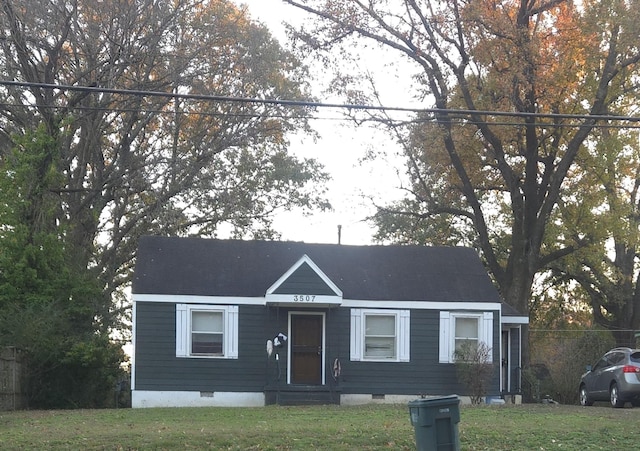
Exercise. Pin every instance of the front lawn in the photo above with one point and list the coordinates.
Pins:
(372, 427)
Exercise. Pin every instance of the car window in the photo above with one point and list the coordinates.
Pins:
(602, 363)
(635, 357)
(616, 358)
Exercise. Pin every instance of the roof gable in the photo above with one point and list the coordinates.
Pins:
(304, 277)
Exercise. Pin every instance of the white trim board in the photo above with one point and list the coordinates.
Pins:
(195, 299)
(305, 259)
(514, 320)
(350, 303)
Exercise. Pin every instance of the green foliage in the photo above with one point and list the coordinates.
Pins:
(408, 222)
(51, 310)
(66, 365)
(559, 303)
(602, 207)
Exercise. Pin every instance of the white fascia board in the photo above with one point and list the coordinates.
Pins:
(514, 320)
(321, 301)
(191, 299)
(305, 259)
(422, 305)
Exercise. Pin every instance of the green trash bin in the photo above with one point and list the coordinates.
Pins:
(435, 421)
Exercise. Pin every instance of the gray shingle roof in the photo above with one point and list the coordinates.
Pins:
(207, 267)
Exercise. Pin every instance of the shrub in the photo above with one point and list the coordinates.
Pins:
(474, 369)
(565, 357)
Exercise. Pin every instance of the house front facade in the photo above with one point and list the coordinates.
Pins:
(251, 323)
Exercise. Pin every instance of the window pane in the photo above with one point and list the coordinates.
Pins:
(380, 337)
(380, 347)
(207, 332)
(602, 363)
(206, 344)
(617, 358)
(380, 325)
(467, 328)
(206, 322)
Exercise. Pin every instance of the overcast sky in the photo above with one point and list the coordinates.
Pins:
(340, 149)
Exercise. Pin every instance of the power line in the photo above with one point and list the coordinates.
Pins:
(204, 97)
(458, 121)
(435, 112)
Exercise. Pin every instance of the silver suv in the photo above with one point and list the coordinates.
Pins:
(614, 378)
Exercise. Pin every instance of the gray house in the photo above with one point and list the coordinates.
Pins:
(249, 323)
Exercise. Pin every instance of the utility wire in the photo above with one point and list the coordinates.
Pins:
(370, 121)
(447, 113)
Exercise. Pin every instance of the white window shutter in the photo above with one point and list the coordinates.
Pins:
(445, 338)
(182, 334)
(356, 335)
(487, 332)
(231, 333)
(404, 336)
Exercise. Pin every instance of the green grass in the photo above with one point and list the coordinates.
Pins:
(379, 427)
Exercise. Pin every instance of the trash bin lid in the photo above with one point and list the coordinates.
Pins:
(435, 401)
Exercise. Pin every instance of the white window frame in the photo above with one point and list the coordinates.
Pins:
(357, 334)
(230, 332)
(447, 344)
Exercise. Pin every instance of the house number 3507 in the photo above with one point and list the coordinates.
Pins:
(304, 297)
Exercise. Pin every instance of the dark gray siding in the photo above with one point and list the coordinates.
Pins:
(423, 374)
(516, 371)
(157, 367)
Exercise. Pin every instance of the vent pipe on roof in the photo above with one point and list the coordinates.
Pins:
(339, 234)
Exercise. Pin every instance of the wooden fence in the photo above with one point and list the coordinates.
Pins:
(12, 396)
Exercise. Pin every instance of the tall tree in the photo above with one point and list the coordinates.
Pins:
(501, 177)
(169, 164)
(117, 95)
(605, 209)
(56, 315)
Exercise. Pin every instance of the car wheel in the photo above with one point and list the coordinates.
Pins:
(615, 396)
(584, 397)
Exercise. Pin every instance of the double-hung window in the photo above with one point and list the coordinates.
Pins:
(380, 335)
(207, 331)
(458, 329)
(466, 332)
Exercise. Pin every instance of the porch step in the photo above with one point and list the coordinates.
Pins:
(302, 395)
